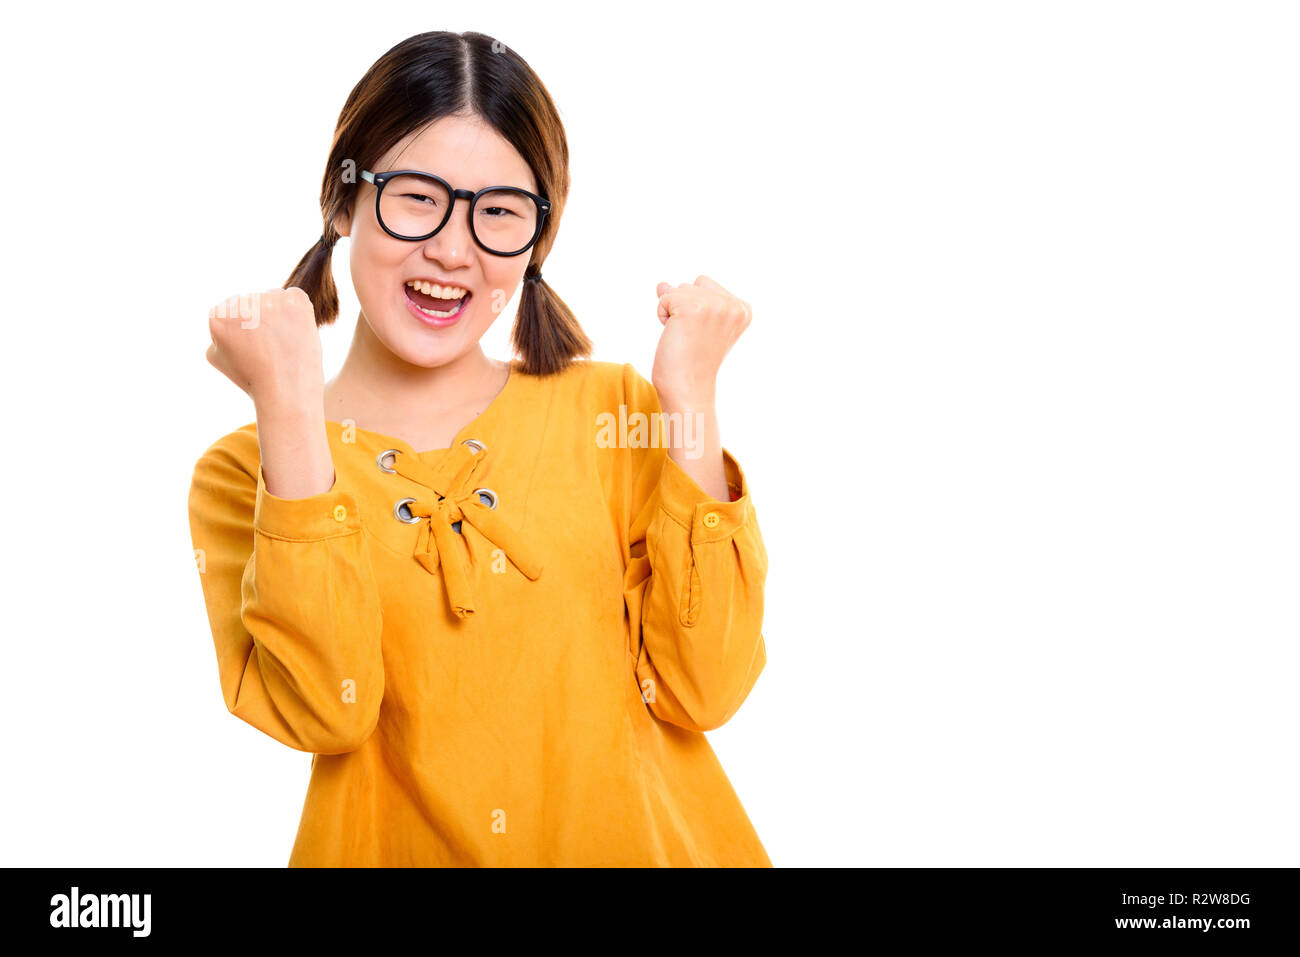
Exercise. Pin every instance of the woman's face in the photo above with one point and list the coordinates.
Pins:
(468, 154)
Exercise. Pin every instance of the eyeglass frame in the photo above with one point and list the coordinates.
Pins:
(380, 180)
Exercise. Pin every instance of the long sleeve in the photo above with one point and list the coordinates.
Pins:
(293, 604)
(693, 583)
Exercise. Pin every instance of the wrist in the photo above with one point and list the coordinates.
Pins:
(681, 400)
(303, 404)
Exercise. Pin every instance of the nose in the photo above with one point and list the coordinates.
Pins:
(453, 245)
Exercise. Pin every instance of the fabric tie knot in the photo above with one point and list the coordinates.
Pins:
(454, 503)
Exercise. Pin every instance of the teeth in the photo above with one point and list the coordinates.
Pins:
(438, 315)
(440, 292)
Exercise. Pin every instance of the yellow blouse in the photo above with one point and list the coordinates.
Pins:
(442, 631)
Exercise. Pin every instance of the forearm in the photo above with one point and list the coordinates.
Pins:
(295, 451)
(696, 443)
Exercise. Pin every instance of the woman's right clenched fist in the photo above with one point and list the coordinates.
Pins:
(268, 345)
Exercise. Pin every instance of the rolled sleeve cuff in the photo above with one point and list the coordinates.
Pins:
(708, 519)
(327, 515)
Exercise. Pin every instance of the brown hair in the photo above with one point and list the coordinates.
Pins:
(421, 80)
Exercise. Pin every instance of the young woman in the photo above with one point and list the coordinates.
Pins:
(498, 602)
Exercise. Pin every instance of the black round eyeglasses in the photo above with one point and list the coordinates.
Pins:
(413, 205)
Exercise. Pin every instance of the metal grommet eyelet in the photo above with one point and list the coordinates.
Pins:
(383, 455)
(487, 497)
(475, 444)
(397, 512)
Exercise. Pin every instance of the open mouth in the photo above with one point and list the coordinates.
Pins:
(437, 302)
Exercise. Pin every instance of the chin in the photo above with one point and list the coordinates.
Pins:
(403, 339)
(427, 355)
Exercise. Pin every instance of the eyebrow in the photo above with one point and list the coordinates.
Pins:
(440, 176)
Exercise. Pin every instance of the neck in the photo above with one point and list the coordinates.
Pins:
(376, 384)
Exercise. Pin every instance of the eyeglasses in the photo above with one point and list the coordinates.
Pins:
(411, 205)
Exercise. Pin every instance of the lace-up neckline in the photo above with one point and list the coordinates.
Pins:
(453, 501)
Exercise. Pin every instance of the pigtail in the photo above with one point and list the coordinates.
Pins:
(314, 276)
(546, 335)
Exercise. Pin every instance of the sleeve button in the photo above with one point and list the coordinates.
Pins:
(340, 513)
(711, 520)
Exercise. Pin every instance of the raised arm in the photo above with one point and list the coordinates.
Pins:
(293, 605)
(693, 584)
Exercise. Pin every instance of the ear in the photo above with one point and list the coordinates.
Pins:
(343, 223)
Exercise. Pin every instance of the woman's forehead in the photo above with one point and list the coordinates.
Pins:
(467, 153)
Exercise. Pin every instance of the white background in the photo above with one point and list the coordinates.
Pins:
(1018, 404)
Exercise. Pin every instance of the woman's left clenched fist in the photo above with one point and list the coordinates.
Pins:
(702, 321)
